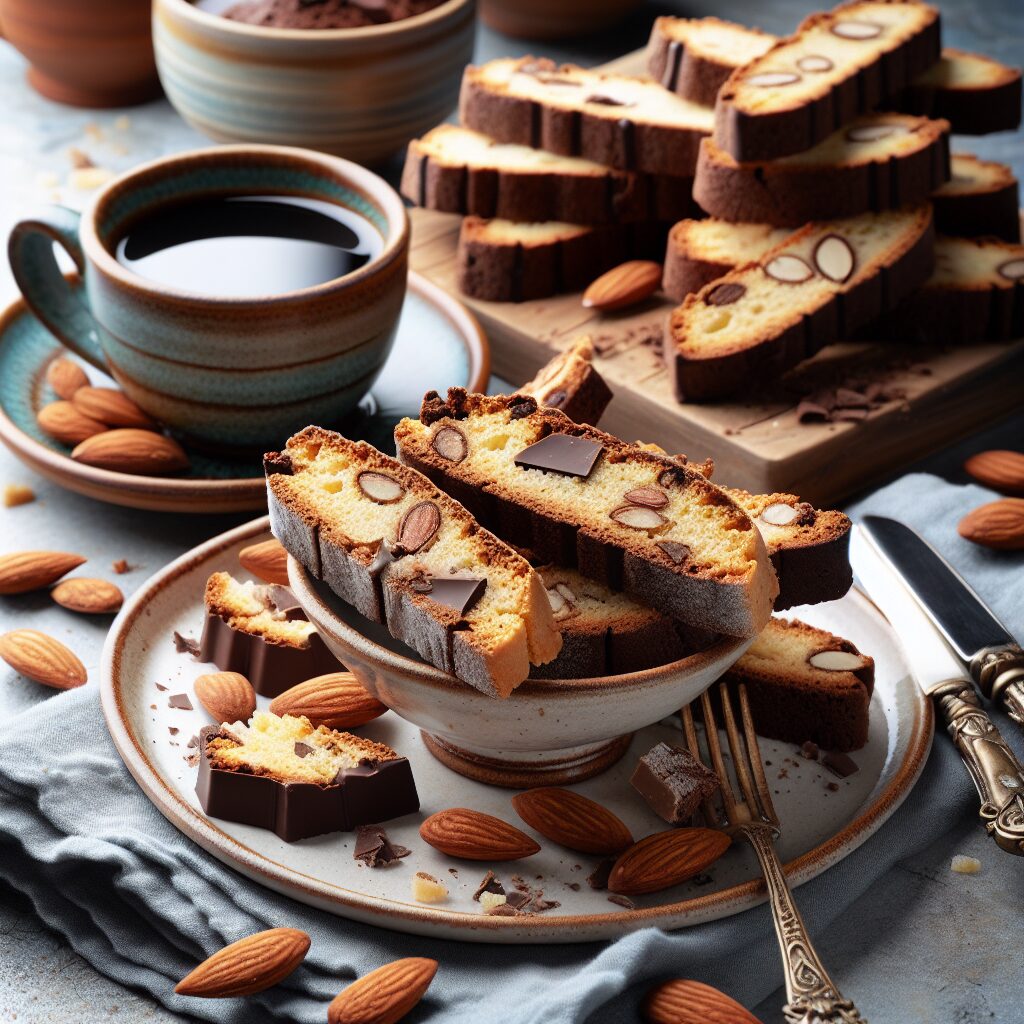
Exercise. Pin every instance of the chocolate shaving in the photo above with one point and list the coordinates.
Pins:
(598, 878)
(161, 687)
(180, 702)
(303, 749)
(374, 848)
(489, 884)
(186, 644)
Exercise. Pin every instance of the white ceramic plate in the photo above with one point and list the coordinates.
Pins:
(820, 826)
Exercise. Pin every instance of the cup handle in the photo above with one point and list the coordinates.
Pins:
(46, 290)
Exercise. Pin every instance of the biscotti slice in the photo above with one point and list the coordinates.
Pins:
(570, 382)
(807, 684)
(976, 94)
(629, 123)
(819, 286)
(876, 162)
(981, 198)
(402, 553)
(837, 65)
(576, 496)
(509, 261)
(694, 56)
(456, 170)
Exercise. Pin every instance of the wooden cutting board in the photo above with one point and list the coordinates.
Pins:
(759, 444)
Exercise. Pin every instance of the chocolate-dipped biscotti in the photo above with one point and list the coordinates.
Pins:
(569, 382)
(576, 496)
(981, 198)
(388, 542)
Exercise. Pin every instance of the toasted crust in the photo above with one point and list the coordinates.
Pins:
(571, 384)
(982, 198)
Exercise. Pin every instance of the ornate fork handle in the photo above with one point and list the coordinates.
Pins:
(813, 996)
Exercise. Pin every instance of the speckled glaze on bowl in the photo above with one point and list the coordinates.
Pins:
(548, 732)
(362, 93)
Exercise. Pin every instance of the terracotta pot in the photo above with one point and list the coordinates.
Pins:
(94, 54)
(542, 19)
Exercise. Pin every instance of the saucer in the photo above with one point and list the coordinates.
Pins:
(439, 345)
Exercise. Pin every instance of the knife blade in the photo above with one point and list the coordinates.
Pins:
(995, 770)
(995, 660)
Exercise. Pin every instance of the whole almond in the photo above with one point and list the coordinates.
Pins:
(336, 700)
(624, 285)
(249, 965)
(681, 1001)
(573, 821)
(471, 835)
(227, 696)
(64, 423)
(267, 561)
(110, 406)
(65, 377)
(1001, 470)
(666, 859)
(89, 596)
(41, 658)
(23, 571)
(143, 452)
(418, 527)
(999, 525)
(383, 996)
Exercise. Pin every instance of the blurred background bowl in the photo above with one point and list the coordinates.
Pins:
(360, 93)
(553, 19)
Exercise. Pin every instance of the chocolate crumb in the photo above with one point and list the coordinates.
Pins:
(702, 880)
(186, 644)
(622, 901)
(374, 848)
(173, 730)
(575, 886)
(180, 702)
(121, 566)
(453, 872)
(809, 750)
(598, 878)
(161, 687)
(832, 787)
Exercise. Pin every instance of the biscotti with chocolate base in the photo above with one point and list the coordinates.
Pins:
(455, 170)
(404, 554)
(819, 286)
(569, 382)
(876, 162)
(837, 65)
(981, 198)
(631, 124)
(576, 496)
(807, 684)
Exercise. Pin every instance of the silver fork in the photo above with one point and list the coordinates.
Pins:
(812, 995)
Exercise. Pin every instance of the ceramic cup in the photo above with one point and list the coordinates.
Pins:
(225, 372)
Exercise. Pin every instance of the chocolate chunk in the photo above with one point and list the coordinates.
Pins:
(598, 878)
(374, 848)
(303, 749)
(725, 294)
(679, 553)
(840, 764)
(518, 900)
(673, 782)
(417, 528)
(186, 645)
(561, 453)
(489, 884)
(458, 592)
(161, 687)
(180, 702)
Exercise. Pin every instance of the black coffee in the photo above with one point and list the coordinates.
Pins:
(246, 246)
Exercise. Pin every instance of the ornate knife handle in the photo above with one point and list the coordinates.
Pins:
(998, 775)
(812, 994)
(999, 671)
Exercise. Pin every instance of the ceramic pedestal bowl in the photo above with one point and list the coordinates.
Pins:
(548, 732)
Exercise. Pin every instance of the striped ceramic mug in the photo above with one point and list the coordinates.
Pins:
(226, 372)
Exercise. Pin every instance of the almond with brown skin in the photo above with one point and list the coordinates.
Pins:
(41, 658)
(572, 820)
(999, 525)
(64, 423)
(227, 696)
(143, 452)
(88, 596)
(624, 285)
(1001, 470)
(65, 377)
(110, 406)
(450, 443)
(249, 965)
(267, 561)
(682, 1001)
(417, 528)
(648, 497)
(23, 571)
(666, 859)
(336, 700)
(383, 996)
(471, 835)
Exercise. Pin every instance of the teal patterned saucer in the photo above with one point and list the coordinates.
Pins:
(440, 344)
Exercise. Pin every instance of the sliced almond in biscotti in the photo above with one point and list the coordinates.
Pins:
(837, 65)
(337, 700)
(981, 198)
(23, 571)
(65, 377)
(571, 383)
(819, 286)
(110, 406)
(64, 423)
(623, 122)
(130, 450)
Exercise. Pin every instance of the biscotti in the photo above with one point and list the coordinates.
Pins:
(876, 162)
(836, 66)
(570, 382)
(981, 198)
(694, 56)
(456, 170)
(628, 123)
(404, 554)
(576, 496)
(819, 286)
(807, 684)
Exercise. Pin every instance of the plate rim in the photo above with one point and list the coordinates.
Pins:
(410, 917)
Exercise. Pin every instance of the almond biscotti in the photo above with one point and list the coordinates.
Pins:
(819, 286)
(876, 162)
(981, 198)
(570, 383)
(837, 65)
(576, 496)
(402, 553)
(628, 123)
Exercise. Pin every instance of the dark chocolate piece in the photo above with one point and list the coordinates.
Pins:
(375, 849)
(675, 550)
(561, 453)
(840, 764)
(673, 782)
(179, 701)
(489, 884)
(185, 645)
(518, 900)
(303, 750)
(458, 592)
(598, 878)
(161, 687)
